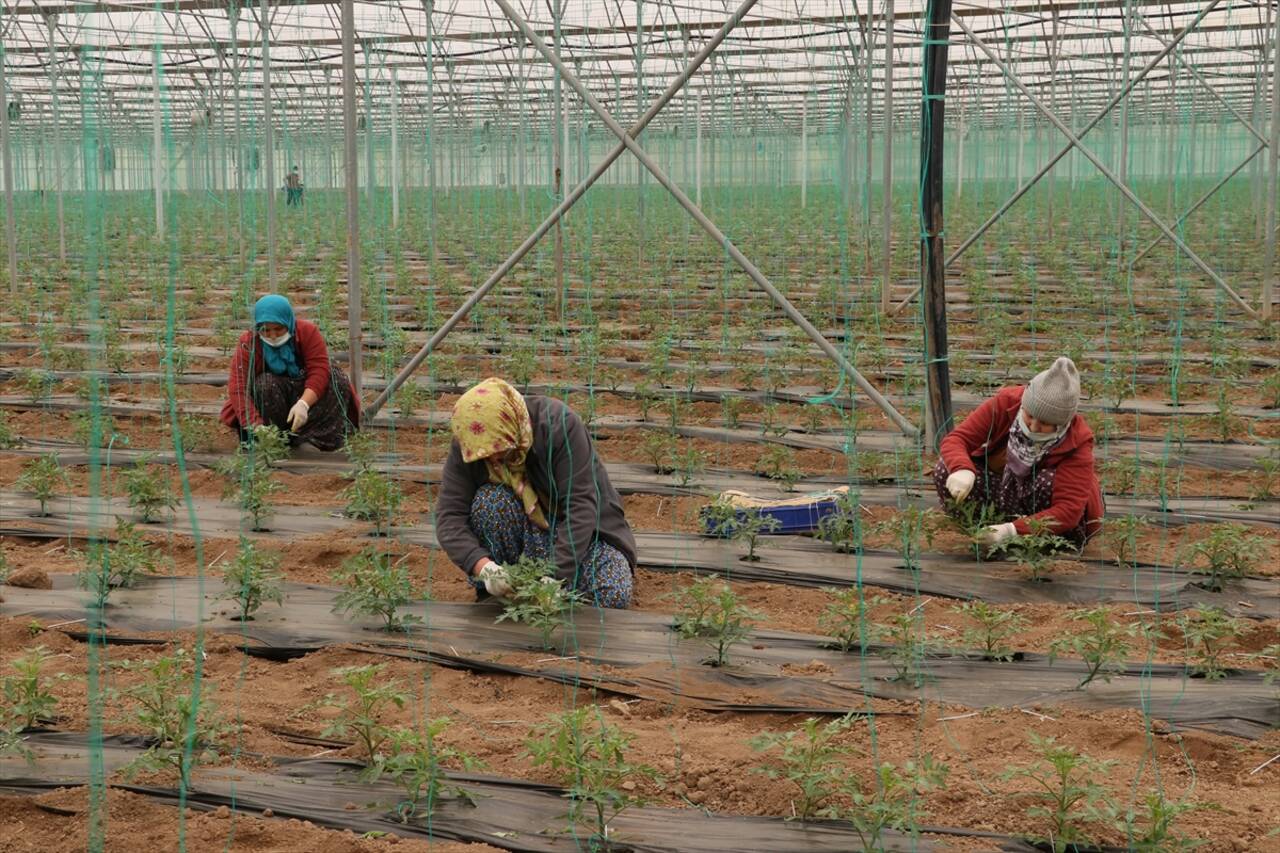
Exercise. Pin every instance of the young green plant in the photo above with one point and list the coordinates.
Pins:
(589, 757)
(810, 758)
(1064, 793)
(709, 609)
(1101, 644)
(539, 599)
(252, 578)
(375, 585)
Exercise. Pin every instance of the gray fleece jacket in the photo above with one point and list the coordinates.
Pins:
(563, 467)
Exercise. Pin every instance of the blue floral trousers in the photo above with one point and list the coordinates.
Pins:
(499, 521)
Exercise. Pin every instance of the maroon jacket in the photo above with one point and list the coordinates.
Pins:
(984, 434)
(313, 358)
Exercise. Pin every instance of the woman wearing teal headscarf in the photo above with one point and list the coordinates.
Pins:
(281, 375)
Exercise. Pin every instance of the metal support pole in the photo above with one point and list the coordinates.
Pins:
(804, 150)
(1273, 174)
(51, 22)
(697, 154)
(429, 7)
(1073, 139)
(532, 240)
(157, 139)
(1123, 170)
(1102, 167)
(233, 13)
(557, 167)
(368, 123)
(395, 149)
(933, 280)
(10, 228)
(716, 234)
(327, 100)
(268, 143)
(886, 247)
(351, 163)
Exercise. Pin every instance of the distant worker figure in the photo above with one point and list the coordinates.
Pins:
(281, 375)
(293, 188)
(1029, 454)
(522, 479)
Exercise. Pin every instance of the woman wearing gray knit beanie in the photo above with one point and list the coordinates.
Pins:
(1028, 453)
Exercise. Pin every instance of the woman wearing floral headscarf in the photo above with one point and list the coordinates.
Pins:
(522, 479)
(281, 375)
(1029, 454)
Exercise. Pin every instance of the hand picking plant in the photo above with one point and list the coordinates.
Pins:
(972, 517)
(590, 758)
(1102, 644)
(252, 578)
(729, 522)
(1064, 793)
(117, 565)
(1208, 635)
(42, 477)
(361, 714)
(376, 586)
(709, 609)
(417, 762)
(1034, 550)
(148, 493)
(183, 727)
(993, 629)
(1228, 552)
(845, 619)
(887, 803)
(810, 758)
(27, 700)
(539, 598)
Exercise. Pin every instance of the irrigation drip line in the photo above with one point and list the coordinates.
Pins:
(639, 649)
(804, 562)
(510, 814)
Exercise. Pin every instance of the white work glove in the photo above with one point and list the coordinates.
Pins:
(298, 415)
(960, 484)
(496, 581)
(997, 533)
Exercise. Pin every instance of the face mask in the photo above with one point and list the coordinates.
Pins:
(1037, 437)
(275, 342)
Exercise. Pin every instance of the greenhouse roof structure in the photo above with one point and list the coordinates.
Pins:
(813, 60)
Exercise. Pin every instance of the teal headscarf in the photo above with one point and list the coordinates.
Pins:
(281, 360)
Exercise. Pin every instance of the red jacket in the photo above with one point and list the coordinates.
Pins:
(1077, 493)
(313, 358)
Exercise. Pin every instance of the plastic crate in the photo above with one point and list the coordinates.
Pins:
(800, 514)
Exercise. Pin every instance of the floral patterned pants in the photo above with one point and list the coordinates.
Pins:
(1012, 502)
(499, 521)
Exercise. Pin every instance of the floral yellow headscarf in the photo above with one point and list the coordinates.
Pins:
(492, 418)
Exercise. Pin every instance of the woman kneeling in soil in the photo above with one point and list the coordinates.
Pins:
(1029, 454)
(281, 375)
(522, 479)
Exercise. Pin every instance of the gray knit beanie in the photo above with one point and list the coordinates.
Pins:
(1052, 396)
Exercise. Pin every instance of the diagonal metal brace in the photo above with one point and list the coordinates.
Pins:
(707, 225)
(1102, 167)
(1063, 152)
(559, 211)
